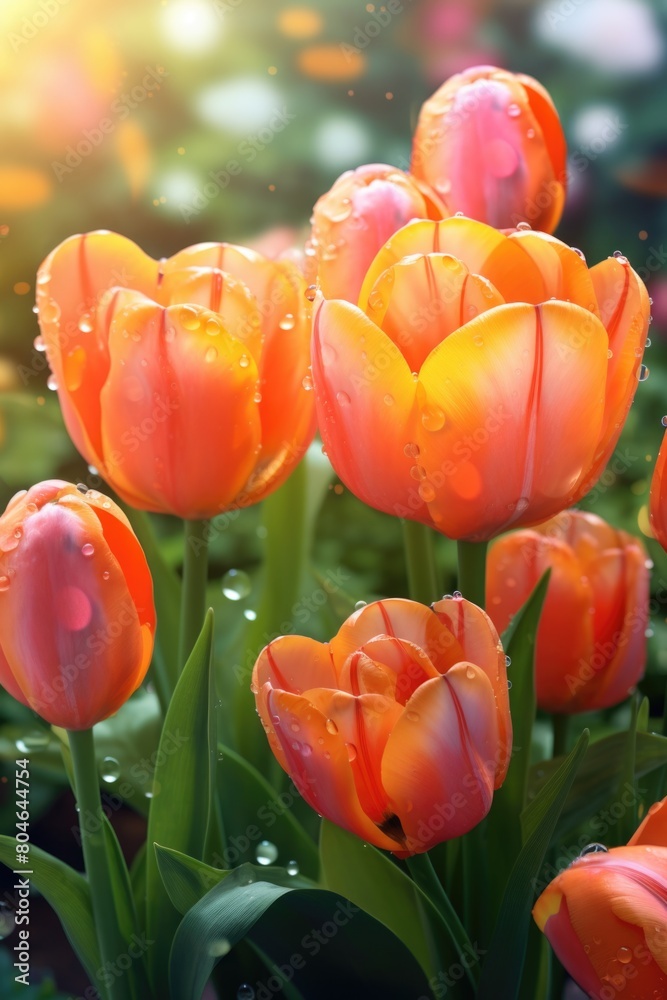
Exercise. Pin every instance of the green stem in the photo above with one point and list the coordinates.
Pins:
(472, 571)
(423, 583)
(91, 818)
(423, 873)
(195, 578)
(561, 725)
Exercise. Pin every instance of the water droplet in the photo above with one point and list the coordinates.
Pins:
(433, 418)
(295, 727)
(359, 605)
(110, 770)
(624, 955)
(219, 947)
(236, 584)
(375, 300)
(579, 253)
(266, 852)
(470, 673)
(508, 661)
(610, 353)
(7, 921)
(311, 292)
(190, 319)
(513, 110)
(250, 614)
(478, 341)
(87, 550)
(38, 344)
(594, 848)
(331, 727)
(523, 226)
(620, 257)
(4, 583)
(351, 752)
(210, 355)
(389, 399)
(292, 868)
(643, 373)
(244, 361)
(648, 342)
(287, 322)
(426, 491)
(106, 574)
(509, 685)
(342, 399)
(411, 449)
(37, 739)
(663, 421)
(418, 472)
(86, 323)
(51, 383)
(530, 133)
(412, 716)
(307, 383)
(212, 327)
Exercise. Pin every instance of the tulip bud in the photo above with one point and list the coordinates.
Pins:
(599, 585)
(76, 604)
(490, 143)
(658, 497)
(357, 216)
(399, 728)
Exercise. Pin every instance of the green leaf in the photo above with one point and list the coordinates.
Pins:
(501, 972)
(292, 926)
(186, 879)
(596, 782)
(363, 874)
(67, 892)
(180, 807)
(254, 811)
(123, 899)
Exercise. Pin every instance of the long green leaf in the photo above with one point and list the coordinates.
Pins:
(291, 927)
(501, 972)
(180, 807)
(67, 892)
(136, 979)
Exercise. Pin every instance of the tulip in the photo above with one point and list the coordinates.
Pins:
(181, 382)
(483, 380)
(606, 915)
(658, 497)
(491, 145)
(398, 729)
(599, 585)
(353, 220)
(76, 604)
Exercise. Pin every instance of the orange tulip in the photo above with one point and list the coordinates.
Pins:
(491, 145)
(599, 586)
(658, 497)
(353, 220)
(483, 380)
(76, 604)
(606, 915)
(180, 381)
(399, 728)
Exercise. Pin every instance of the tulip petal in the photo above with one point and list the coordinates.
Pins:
(404, 665)
(364, 395)
(564, 273)
(652, 831)
(70, 284)
(658, 498)
(557, 927)
(516, 437)
(295, 663)
(318, 763)
(481, 248)
(441, 756)
(422, 299)
(9, 682)
(158, 455)
(406, 620)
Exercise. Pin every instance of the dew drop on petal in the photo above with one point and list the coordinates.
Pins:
(266, 852)
(87, 550)
(4, 583)
(311, 292)
(210, 355)
(411, 449)
(351, 752)
(624, 955)
(244, 361)
(110, 770)
(388, 399)
(523, 226)
(342, 399)
(189, 318)
(594, 848)
(643, 373)
(307, 383)
(38, 344)
(513, 110)
(245, 992)
(331, 727)
(433, 418)
(85, 323)
(470, 673)
(236, 585)
(51, 383)
(426, 491)
(287, 322)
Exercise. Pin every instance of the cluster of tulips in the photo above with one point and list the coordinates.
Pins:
(467, 372)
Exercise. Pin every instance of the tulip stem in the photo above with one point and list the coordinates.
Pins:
(93, 843)
(424, 875)
(423, 583)
(472, 570)
(195, 578)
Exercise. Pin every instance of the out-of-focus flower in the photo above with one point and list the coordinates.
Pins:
(605, 915)
(180, 381)
(353, 220)
(398, 729)
(76, 605)
(591, 644)
(484, 379)
(491, 145)
(658, 496)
